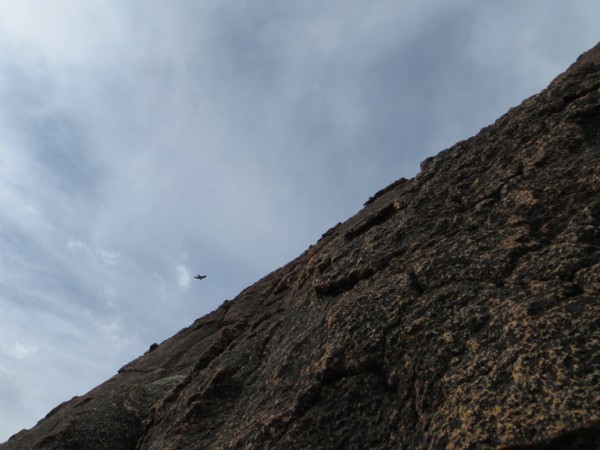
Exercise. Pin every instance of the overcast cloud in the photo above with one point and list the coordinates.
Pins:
(144, 142)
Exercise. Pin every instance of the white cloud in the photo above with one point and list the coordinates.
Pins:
(183, 276)
(62, 30)
(110, 258)
(19, 350)
(78, 246)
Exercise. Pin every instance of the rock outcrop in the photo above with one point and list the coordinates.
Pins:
(459, 309)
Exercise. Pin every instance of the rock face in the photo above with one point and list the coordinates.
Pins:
(459, 310)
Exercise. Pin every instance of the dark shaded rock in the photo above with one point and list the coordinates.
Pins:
(460, 309)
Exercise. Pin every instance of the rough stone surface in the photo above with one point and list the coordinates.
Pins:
(459, 310)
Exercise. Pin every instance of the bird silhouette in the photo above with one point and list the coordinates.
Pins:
(200, 277)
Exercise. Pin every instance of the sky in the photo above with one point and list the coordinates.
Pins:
(142, 142)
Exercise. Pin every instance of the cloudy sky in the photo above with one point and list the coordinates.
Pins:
(142, 142)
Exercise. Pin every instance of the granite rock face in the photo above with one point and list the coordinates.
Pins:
(459, 309)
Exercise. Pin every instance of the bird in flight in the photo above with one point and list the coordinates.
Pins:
(200, 277)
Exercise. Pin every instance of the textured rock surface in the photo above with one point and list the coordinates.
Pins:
(459, 309)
